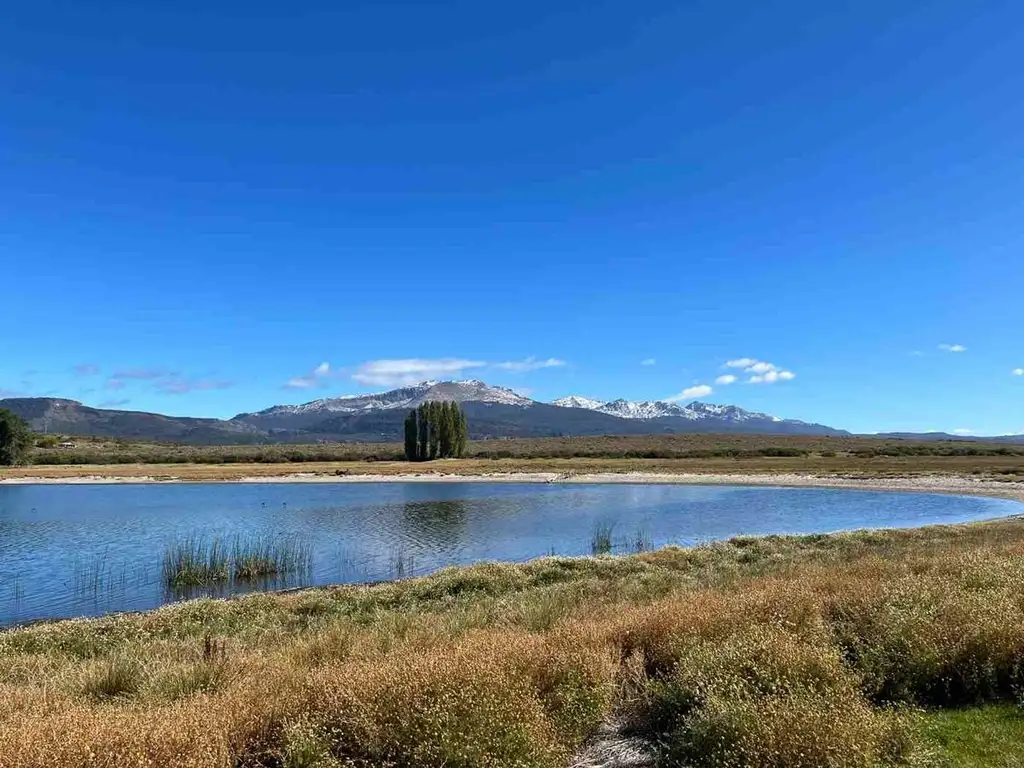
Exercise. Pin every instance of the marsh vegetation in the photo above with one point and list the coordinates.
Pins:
(859, 649)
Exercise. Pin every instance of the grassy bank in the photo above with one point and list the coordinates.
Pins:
(861, 649)
(737, 447)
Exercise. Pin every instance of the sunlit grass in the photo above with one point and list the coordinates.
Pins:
(979, 737)
(870, 649)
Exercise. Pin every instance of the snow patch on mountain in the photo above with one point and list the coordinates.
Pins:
(657, 409)
(468, 390)
(578, 401)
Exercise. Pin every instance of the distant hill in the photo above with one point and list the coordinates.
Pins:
(69, 417)
(493, 412)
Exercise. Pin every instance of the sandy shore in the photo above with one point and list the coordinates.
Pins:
(954, 484)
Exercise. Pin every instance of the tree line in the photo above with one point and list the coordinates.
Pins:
(435, 430)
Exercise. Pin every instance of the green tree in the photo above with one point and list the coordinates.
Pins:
(15, 438)
(411, 442)
(433, 410)
(422, 432)
(462, 434)
(447, 437)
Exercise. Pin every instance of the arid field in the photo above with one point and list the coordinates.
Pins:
(859, 649)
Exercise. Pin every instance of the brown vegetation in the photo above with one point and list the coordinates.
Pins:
(779, 651)
(873, 457)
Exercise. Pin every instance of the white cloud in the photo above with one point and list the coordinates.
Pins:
(529, 364)
(390, 373)
(315, 378)
(952, 347)
(771, 377)
(1018, 371)
(917, 353)
(726, 379)
(649, 361)
(963, 431)
(761, 372)
(701, 390)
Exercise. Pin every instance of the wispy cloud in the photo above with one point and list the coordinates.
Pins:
(952, 347)
(760, 371)
(316, 378)
(390, 373)
(917, 353)
(113, 384)
(181, 386)
(727, 378)
(529, 364)
(963, 431)
(113, 403)
(86, 369)
(649, 361)
(700, 390)
(1018, 371)
(141, 373)
(10, 393)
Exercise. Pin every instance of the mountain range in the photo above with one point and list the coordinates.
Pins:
(493, 412)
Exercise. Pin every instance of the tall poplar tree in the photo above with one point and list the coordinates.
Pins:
(411, 443)
(422, 432)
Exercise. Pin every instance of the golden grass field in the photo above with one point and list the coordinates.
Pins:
(860, 649)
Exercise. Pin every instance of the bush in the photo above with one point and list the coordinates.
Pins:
(935, 642)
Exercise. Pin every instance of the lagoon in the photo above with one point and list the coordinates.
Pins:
(86, 550)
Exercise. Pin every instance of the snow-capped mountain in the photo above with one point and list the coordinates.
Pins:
(491, 411)
(659, 409)
(578, 401)
(470, 390)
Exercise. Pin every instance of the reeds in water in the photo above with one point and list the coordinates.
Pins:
(196, 562)
(601, 538)
(264, 555)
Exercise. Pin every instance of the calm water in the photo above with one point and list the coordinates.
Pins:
(92, 549)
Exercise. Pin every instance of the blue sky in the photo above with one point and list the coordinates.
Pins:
(212, 207)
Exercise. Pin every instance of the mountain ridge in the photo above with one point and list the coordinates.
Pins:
(492, 412)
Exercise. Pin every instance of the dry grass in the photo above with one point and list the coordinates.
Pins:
(729, 453)
(778, 652)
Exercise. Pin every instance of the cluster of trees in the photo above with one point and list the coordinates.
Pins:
(15, 438)
(435, 430)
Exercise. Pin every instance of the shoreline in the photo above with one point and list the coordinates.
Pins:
(940, 483)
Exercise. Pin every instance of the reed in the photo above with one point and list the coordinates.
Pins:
(601, 538)
(266, 555)
(195, 562)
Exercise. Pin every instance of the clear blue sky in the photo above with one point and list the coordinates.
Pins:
(202, 202)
